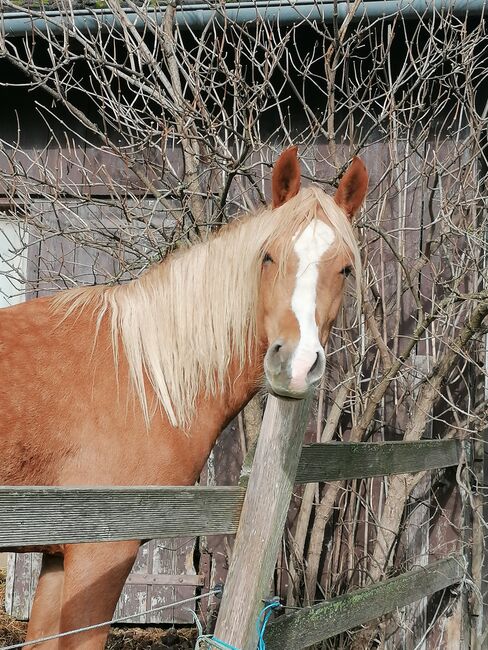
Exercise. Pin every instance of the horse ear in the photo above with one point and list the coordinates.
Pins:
(286, 177)
(352, 188)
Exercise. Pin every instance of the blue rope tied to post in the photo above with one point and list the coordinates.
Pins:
(263, 618)
(261, 623)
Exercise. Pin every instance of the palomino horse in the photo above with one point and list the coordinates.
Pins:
(132, 384)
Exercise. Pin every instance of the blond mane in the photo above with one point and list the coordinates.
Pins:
(182, 321)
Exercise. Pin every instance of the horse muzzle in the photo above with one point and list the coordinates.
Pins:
(293, 370)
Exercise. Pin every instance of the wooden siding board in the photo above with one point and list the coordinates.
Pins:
(133, 599)
(163, 560)
(184, 556)
(444, 538)
(56, 253)
(22, 586)
(93, 264)
(32, 267)
(176, 558)
(9, 584)
(22, 576)
(24, 571)
(103, 171)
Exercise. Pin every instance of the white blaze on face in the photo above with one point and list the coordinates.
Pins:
(309, 247)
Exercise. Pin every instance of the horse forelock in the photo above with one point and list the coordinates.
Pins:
(184, 320)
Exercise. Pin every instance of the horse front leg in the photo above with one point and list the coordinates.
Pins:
(46, 609)
(94, 575)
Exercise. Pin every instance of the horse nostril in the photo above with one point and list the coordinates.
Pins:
(315, 364)
(276, 347)
(317, 368)
(274, 355)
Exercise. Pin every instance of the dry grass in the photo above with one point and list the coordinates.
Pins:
(152, 638)
(130, 638)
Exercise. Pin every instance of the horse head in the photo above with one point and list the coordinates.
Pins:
(303, 275)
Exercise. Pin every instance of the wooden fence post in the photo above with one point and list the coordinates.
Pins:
(262, 521)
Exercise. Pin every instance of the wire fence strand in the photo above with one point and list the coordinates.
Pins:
(121, 619)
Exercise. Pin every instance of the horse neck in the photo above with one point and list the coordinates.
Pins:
(215, 412)
(244, 380)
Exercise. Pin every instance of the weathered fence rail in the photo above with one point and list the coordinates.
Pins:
(314, 624)
(65, 515)
(337, 461)
(61, 515)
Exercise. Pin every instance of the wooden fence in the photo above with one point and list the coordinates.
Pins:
(66, 515)
(43, 515)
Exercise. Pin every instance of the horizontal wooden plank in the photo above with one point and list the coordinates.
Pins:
(315, 624)
(335, 461)
(32, 516)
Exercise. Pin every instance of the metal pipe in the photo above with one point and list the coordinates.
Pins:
(197, 16)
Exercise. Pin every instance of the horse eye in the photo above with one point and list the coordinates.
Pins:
(347, 270)
(267, 259)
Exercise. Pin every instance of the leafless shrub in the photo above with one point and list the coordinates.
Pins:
(155, 135)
